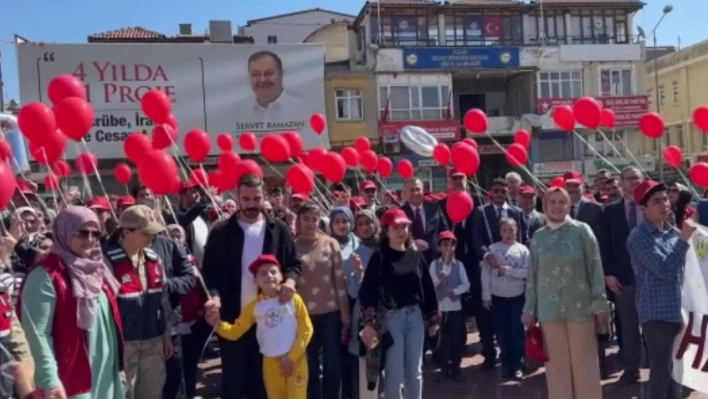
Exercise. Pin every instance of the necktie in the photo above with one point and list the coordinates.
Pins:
(419, 230)
(499, 214)
(572, 210)
(632, 217)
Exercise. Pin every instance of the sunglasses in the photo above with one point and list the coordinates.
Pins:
(85, 234)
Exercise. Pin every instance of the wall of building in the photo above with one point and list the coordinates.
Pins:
(345, 132)
(335, 37)
(291, 28)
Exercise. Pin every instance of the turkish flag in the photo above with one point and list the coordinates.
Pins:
(492, 26)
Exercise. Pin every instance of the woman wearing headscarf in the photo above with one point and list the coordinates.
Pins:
(70, 315)
(565, 293)
(680, 197)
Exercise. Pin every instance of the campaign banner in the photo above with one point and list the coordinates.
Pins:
(232, 88)
(691, 347)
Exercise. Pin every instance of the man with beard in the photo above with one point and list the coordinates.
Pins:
(232, 246)
(613, 190)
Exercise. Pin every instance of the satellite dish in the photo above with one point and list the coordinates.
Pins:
(640, 33)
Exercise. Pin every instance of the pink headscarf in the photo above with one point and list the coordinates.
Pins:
(88, 274)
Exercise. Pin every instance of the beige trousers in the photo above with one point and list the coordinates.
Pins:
(572, 371)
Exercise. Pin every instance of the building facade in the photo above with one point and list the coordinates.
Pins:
(514, 60)
(682, 77)
(290, 28)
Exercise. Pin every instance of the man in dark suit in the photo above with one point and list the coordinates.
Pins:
(581, 208)
(618, 220)
(428, 220)
(485, 231)
(527, 202)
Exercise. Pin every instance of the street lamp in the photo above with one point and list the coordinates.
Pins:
(667, 9)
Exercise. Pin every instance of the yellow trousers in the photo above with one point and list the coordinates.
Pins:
(280, 387)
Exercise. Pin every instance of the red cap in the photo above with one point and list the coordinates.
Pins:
(645, 189)
(454, 172)
(262, 260)
(366, 184)
(357, 202)
(394, 216)
(99, 203)
(21, 186)
(573, 177)
(186, 185)
(527, 190)
(299, 196)
(534, 345)
(447, 235)
(126, 200)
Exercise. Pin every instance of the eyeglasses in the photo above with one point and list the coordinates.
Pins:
(85, 234)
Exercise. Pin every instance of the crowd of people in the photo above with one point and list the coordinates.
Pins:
(340, 294)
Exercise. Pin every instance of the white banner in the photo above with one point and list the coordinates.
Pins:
(691, 347)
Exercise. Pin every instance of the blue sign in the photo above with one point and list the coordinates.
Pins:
(420, 58)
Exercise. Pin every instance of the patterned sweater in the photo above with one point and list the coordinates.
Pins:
(322, 284)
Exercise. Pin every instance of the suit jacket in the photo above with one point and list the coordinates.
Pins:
(613, 243)
(486, 216)
(536, 220)
(590, 213)
(435, 223)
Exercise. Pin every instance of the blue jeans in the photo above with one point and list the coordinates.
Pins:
(506, 313)
(323, 354)
(404, 359)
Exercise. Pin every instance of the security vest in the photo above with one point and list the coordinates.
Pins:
(7, 385)
(140, 307)
(69, 341)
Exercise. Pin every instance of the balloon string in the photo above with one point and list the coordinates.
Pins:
(596, 152)
(100, 182)
(86, 183)
(523, 167)
(475, 183)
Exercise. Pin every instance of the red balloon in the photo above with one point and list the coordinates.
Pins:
(275, 148)
(558, 181)
(673, 156)
(250, 167)
(199, 177)
(336, 168)
(135, 146)
(384, 166)
(158, 171)
(315, 158)
(86, 163)
(51, 182)
(172, 121)
(50, 150)
(225, 142)
(607, 118)
(516, 155)
(652, 125)
(405, 168)
(248, 141)
(163, 136)
(441, 153)
(36, 121)
(563, 117)
(157, 106)
(300, 178)
(61, 168)
(64, 86)
(523, 137)
(295, 142)
(7, 185)
(123, 173)
(74, 117)
(459, 206)
(318, 123)
(465, 159)
(216, 178)
(700, 118)
(476, 121)
(369, 161)
(5, 150)
(471, 142)
(362, 144)
(698, 174)
(587, 112)
(197, 145)
(351, 157)
(228, 162)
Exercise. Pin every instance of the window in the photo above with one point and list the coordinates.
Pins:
(410, 29)
(462, 29)
(680, 142)
(704, 141)
(272, 39)
(662, 96)
(415, 102)
(349, 104)
(616, 82)
(598, 26)
(554, 147)
(566, 84)
(608, 144)
(548, 27)
(676, 92)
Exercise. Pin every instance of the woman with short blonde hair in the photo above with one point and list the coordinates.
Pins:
(565, 293)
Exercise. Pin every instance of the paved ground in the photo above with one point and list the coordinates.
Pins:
(479, 385)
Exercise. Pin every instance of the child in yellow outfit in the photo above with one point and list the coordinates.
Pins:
(283, 331)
